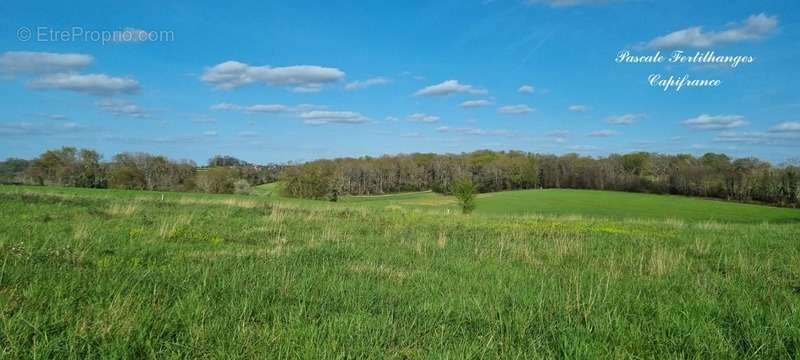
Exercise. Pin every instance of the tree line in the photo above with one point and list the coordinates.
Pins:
(710, 175)
(74, 167)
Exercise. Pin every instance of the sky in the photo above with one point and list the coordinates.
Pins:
(278, 81)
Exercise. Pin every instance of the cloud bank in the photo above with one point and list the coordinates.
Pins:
(755, 27)
(302, 78)
(715, 122)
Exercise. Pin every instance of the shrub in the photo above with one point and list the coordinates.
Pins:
(464, 190)
(218, 180)
(241, 186)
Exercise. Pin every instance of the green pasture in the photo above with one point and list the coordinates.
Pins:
(125, 274)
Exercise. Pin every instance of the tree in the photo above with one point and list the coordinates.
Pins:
(464, 190)
(67, 166)
(710, 175)
(90, 172)
(126, 174)
(312, 181)
(225, 160)
(218, 180)
(12, 169)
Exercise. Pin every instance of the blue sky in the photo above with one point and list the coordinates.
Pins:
(271, 81)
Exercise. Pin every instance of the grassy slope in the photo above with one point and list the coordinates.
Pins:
(124, 274)
(271, 189)
(595, 204)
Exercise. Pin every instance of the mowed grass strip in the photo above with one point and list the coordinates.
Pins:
(101, 273)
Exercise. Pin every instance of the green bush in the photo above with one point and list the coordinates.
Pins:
(218, 180)
(464, 190)
(241, 186)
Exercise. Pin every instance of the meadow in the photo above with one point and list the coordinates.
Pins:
(592, 203)
(531, 274)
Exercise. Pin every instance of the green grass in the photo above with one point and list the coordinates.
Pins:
(117, 274)
(271, 189)
(590, 203)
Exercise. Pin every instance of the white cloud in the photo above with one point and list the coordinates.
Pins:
(475, 131)
(423, 118)
(303, 78)
(122, 108)
(715, 122)
(515, 109)
(60, 71)
(363, 84)
(579, 108)
(567, 3)
(754, 27)
(267, 108)
(603, 133)
(94, 84)
(31, 129)
(475, 103)
(525, 89)
(264, 108)
(792, 126)
(225, 106)
(248, 134)
(28, 62)
(449, 87)
(760, 138)
(209, 133)
(308, 107)
(625, 119)
(320, 117)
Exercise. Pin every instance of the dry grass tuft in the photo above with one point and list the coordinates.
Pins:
(441, 240)
(566, 245)
(233, 202)
(122, 209)
(663, 261)
(702, 247)
(711, 225)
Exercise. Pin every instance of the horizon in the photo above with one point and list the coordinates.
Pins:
(278, 83)
(108, 158)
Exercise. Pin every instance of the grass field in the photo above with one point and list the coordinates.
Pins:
(591, 203)
(105, 273)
